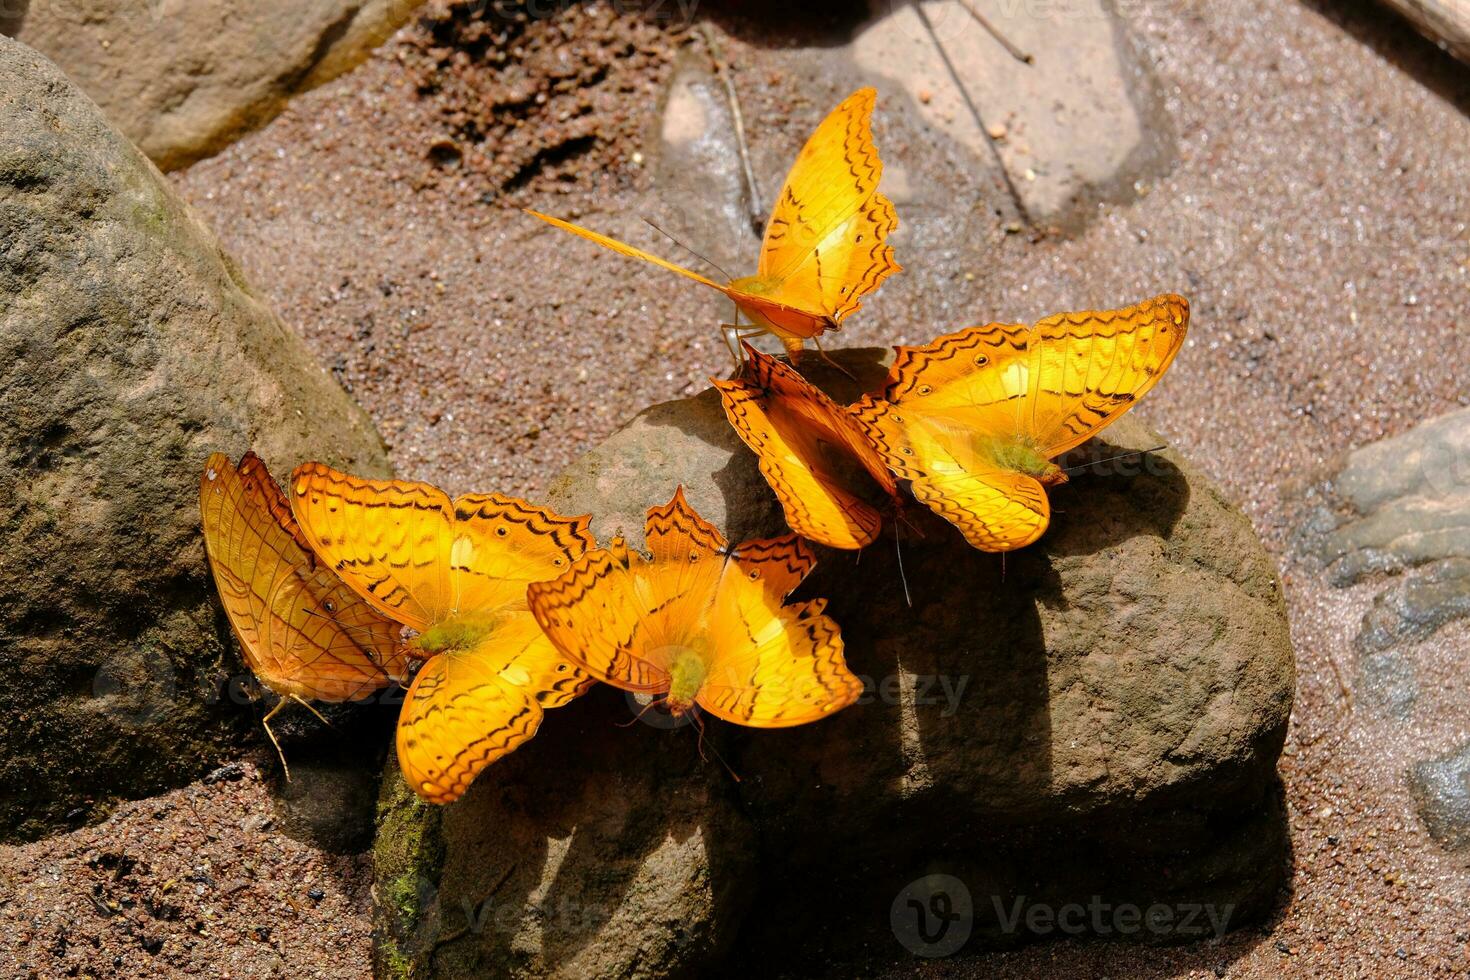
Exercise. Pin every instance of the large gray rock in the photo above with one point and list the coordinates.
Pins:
(182, 78)
(130, 347)
(1099, 715)
(1394, 516)
(1400, 509)
(1079, 124)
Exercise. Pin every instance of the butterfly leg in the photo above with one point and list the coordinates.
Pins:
(309, 707)
(731, 331)
(280, 703)
(734, 333)
(818, 345)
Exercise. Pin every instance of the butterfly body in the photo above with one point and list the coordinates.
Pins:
(687, 672)
(1020, 453)
(457, 633)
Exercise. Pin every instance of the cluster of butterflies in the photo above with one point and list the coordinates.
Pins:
(340, 586)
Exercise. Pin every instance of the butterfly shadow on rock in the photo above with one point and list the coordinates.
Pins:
(1114, 493)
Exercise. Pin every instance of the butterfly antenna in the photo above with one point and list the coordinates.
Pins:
(902, 576)
(703, 258)
(699, 725)
(1099, 462)
(639, 716)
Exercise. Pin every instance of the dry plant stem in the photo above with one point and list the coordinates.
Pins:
(752, 193)
(1005, 42)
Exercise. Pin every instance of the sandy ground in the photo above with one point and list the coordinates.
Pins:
(1316, 215)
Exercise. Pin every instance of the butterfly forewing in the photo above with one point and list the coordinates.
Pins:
(1091, 367)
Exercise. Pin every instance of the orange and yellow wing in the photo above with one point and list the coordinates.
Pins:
(468, 708)
(996, 509)
(421, 558)
(1089, 368)
(808, 448)
(626, 616)
(943, 406)
(954, 408)
(825, 245)
(302, 630)
(623, 616)
(773, 665)
(388, 539)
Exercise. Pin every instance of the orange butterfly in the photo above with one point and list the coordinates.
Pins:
(824, 244)
(456, 572)
(808, 447)
(974, 419)
(701, 622)
(303, 633)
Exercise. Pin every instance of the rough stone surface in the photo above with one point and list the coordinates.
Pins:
(182, 78)
(130, 347)
(1441, 789)
(1402, 503)
(1098, 715)
(1395, 516)
(1067, 128)
(594, 851)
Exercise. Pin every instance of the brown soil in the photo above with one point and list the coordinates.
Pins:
(192, 883)
(1316, 217)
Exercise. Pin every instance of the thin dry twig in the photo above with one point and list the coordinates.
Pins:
(752, 193)
(1005, 42)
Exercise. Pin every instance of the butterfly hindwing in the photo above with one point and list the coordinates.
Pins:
(807, 447)
(303, 632)
(468, 708)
